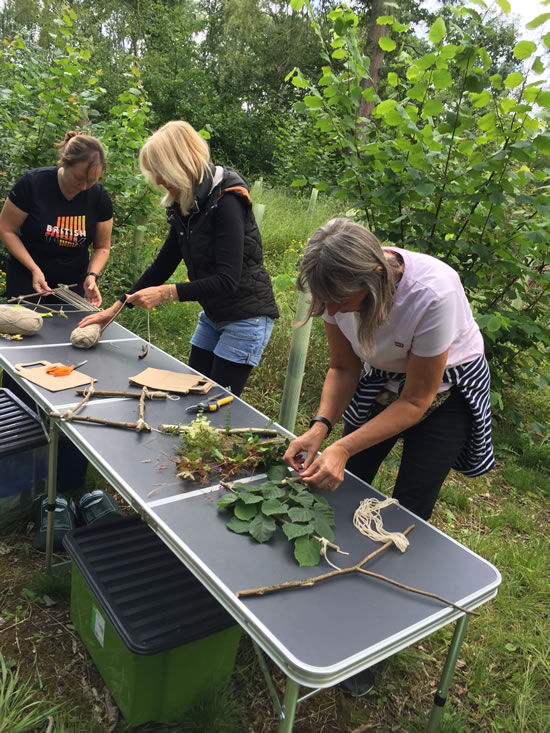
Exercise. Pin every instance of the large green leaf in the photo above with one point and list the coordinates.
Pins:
(227, 499)
(300, 514)
(442, 79)
(513, 80)
(437, 31)
(387, 44)
(273, 506)
(323, 528)
(307, 551)
(313, 101)
(538, 21)
(249, 498)
(277, 472)
(304, 498)
(297, 530)
(433, 107)
(524, 49)
(238, 526)
(245, 511)
(262, 528)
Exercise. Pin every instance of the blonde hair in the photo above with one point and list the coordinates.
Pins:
(79, 147)
(180, 156)
(341, 258)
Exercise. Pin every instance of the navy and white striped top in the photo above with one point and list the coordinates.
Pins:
(472, 379)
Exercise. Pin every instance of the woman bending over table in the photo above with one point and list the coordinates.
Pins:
(213, 230)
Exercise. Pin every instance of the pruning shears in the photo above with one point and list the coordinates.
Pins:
(213, 404)
(60, 370)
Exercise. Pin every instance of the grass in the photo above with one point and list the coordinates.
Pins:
(502, 677)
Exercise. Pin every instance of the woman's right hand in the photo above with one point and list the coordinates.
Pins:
(102, 317)
(39, 282)
(302, 451)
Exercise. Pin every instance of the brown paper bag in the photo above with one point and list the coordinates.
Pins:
(35, 372)
(168, 381)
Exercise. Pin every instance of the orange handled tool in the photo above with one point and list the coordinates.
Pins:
(60, 370)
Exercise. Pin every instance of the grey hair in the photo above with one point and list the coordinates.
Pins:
(340, 259)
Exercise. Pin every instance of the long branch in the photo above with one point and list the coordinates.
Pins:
(101, 421)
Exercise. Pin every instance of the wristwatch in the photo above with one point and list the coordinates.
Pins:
(324, 420)
(94, 274)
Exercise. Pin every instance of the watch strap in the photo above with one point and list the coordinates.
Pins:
(324, 420)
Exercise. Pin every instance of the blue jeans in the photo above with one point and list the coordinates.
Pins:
(241, 342)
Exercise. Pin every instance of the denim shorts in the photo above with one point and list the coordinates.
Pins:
(242, 342)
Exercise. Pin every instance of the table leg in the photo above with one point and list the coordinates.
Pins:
(52, 489)
(440, 697)
(289, 706)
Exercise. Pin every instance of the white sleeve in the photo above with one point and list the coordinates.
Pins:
(437, 328)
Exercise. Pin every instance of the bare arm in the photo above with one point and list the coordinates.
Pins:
(100, 255)
(338, 389)
(11, 220)
(424, 375)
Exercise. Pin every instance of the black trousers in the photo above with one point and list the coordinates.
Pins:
(429, 450)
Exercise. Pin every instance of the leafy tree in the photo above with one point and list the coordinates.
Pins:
(448, 164)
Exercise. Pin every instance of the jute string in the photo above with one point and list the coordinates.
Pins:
(368, 521)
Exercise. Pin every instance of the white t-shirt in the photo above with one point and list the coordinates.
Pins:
(430, 314)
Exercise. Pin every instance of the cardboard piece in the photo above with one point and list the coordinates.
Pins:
(168, 381)
(35, 372)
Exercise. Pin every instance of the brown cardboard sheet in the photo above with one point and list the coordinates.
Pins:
(171, 381)
(35, 372)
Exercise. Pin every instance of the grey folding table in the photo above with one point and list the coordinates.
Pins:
(317, 635)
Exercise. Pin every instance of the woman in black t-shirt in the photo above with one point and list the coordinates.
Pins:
(51, 217)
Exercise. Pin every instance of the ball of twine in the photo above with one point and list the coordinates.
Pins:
(85, 338)
(368, 521)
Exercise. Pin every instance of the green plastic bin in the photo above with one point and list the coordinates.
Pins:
(158, 638)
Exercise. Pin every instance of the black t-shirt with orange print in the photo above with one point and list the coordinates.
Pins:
(57, 233)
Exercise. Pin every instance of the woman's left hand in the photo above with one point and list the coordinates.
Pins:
(327, 470)
(150, 297)
(91, 291)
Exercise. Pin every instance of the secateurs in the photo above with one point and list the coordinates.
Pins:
(211, 405)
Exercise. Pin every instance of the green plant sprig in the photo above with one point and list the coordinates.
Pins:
(305, 518)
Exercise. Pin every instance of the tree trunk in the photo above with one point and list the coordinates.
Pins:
(374, 52)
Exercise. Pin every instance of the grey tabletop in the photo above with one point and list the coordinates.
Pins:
(318, 635)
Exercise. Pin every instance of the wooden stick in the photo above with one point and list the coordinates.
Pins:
(115, 393)
(88, 392)
(416, 590)
(102, 421)
(180, 428)
(318, 578)
(36, 294)
(346, 571)
(141, 424)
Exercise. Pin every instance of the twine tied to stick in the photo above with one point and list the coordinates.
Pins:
(367, 514)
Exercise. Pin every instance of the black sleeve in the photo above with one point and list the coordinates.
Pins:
(229, 252)
(21, 194)
(104, 208)
(163, 265)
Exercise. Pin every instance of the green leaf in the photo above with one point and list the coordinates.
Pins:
(304, 498)
(513, 80)
(323, 528)
(483, 99)
(425, 189)
(248, 498)
(542, 143)
(300, 514)
(384, 107)
(387, 44)
(393, 79)
(442, 79)
(538, 66)
(313, 102)
(238, 526)
(299, 182)
(340, 53)
(546, 40)
(278, 472)
(227, 499)
(493, 324)
(273, 492)
(297, 530)
(262, 528)
(307, 551)
(524, 49)
(437, 31)
(539, 20)
(297, 5)
(245, 511)
(433, 107)
(504, 5)
(385, 20)
(273, 506)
